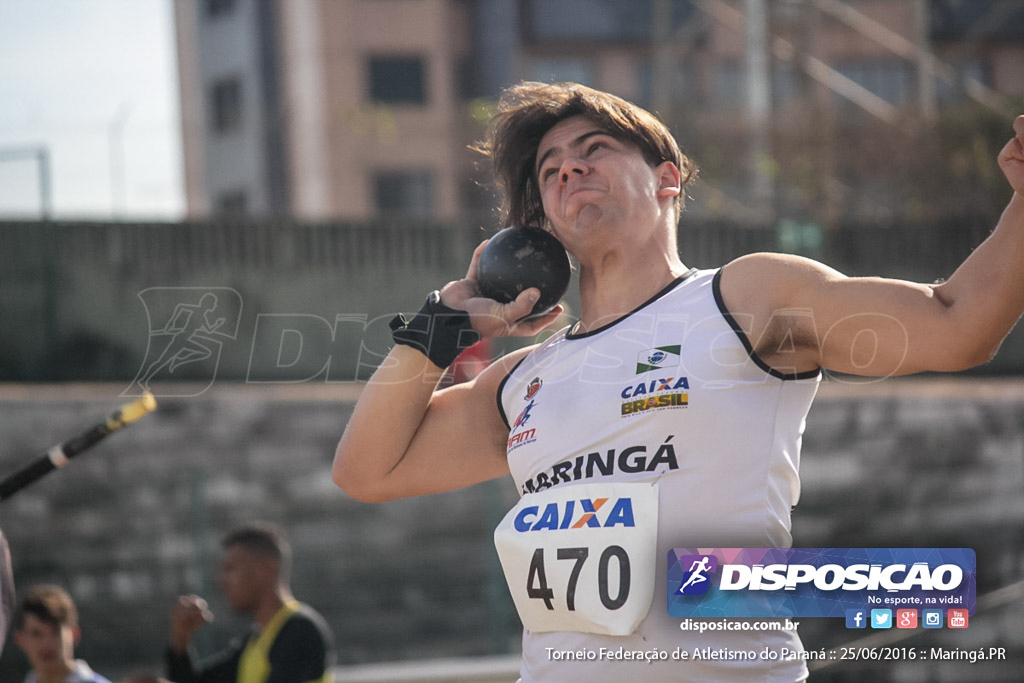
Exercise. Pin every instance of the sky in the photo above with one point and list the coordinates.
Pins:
(94, 83)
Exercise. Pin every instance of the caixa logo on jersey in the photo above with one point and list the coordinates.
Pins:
(576, 514)
(808, 582)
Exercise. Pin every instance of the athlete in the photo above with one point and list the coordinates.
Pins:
(289, 642)
(680, 389)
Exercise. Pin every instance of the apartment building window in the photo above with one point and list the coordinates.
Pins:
(398, 80)
(407, 193)
(890, 79)
(966, 69)
(626, 21)
(219, 8)
(785, 83)
(730, 84)
(226, 105)
(681, 89)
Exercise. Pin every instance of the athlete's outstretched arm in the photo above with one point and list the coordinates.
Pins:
(813, 316)
(406, 437)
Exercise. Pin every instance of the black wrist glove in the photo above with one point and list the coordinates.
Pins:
(438, 332)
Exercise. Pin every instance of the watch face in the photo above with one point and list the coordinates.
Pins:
(434, 297)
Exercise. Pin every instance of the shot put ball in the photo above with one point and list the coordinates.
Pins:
(518, 258)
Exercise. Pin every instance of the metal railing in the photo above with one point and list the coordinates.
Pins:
(180, 247)
(66, 288)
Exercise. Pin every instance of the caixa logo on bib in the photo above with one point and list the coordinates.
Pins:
(576, 514)
(808, 582)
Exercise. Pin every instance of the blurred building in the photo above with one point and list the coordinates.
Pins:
(357, 109)
(345, 108)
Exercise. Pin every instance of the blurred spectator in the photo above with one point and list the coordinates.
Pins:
(289, 642)
(46, 630)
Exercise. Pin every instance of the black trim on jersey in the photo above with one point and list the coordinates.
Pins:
(569, 335)
(717, 291)
(501, 390)
(668, 288)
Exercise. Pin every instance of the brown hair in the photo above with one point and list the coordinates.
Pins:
(528, 110)
(50, 604)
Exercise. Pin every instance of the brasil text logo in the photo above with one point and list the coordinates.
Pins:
(666, 392)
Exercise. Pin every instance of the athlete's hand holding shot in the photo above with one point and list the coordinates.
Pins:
(681, 390)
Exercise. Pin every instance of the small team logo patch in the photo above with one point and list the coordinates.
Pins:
(524, 416)
(522, 434)
(533, 388)
(658, 357)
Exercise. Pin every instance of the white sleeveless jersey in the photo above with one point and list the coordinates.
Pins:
(671, 393)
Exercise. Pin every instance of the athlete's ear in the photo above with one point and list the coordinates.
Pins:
(668, 179)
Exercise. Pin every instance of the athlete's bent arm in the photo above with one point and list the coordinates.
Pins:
(407, 438)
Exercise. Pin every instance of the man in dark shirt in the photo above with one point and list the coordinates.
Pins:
(289, 642)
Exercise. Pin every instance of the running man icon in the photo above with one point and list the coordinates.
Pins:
(188, 326)
(697, 570)
(696, 582)
(188, 330)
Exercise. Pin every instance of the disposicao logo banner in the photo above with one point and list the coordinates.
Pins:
(817, 582)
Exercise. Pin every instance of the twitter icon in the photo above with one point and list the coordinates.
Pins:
(881, 618)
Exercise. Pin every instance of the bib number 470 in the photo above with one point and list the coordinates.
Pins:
(537, 583)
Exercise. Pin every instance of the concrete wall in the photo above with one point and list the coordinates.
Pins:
(88, 301)
(135, 521)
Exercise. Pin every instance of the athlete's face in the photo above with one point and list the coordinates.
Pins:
(588, 178)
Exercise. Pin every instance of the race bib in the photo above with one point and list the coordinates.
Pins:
(582, 558)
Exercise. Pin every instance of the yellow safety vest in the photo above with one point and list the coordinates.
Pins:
(254, 665)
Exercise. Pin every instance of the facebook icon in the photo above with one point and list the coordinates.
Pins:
(856, 618)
